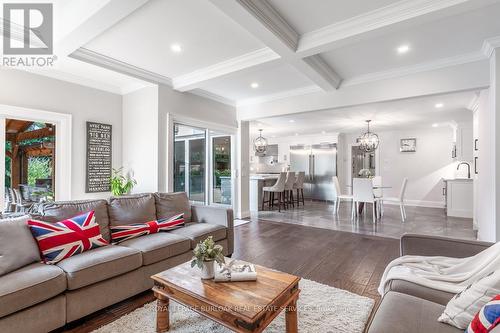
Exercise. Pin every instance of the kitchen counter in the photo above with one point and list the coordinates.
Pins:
(264, 176)
(459, 197)
(457, 179)
(257, 182)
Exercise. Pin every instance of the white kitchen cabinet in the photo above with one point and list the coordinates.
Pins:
(459, 197)
(464, 141)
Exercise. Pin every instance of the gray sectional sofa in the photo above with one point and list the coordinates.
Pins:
(40, 298)
(408, 307)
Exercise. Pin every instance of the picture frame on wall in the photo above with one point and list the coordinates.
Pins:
(408, 145)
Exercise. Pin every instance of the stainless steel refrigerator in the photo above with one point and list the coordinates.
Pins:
(319, 161)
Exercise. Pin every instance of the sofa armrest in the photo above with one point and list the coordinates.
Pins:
(424, 245)
(216, 215)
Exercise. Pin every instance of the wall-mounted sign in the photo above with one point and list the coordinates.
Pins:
(99, 157)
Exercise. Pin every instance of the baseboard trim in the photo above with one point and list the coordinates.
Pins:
(243, 215)
(419, 203)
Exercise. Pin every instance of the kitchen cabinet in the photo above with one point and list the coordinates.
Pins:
(464, 143)
(458, 194)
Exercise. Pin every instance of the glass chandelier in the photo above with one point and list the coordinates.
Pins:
(260, 144)
(368, 141)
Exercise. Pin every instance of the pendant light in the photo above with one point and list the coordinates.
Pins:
(368, 141)
(260, 144)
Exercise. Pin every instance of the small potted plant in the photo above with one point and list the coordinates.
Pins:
(121, 185)
(204, 256)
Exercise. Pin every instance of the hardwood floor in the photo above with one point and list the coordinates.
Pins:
(344, 260)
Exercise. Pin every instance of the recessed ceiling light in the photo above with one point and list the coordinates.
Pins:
(323, 132)
(439, 105)
(291, 120)
(403, 49)
(435, 125)
(254, 85)
(176, 48)
(296, 134)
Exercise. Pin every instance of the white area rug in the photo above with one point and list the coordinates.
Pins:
(322, 309)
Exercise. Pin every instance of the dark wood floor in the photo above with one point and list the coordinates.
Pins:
(344, 260)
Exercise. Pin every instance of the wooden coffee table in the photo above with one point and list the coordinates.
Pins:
(240, 306)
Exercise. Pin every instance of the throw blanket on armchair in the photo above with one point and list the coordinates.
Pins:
(442, 273)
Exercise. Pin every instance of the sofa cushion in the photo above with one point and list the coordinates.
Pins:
(170, 204)
(160, 246)
(99, 264)
(64, 239)
(62, 210)
(410, 288)
(132, 209)
(18, 248)
(198, 232)
(30, 285)
(120, 233)
(400, 313)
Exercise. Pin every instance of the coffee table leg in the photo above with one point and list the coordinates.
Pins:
(162, 314)
(291, 317)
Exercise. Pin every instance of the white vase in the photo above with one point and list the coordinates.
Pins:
(207, 270)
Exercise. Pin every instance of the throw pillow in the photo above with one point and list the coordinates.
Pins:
(487, 318)
(61, 240)
(120, 233)
(17, 246)
(461, 309)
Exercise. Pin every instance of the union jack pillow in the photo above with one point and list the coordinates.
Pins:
(61, 240)
(120, 233)
(487, 318)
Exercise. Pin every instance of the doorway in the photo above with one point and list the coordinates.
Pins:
(362, 162)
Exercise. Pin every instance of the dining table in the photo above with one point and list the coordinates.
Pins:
(361, 205)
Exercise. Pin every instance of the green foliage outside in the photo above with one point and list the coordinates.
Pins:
(39, 168)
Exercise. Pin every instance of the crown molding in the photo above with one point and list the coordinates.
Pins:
(324, 70)
(194, 79)
(490, 45)
(272, 20)
(116, 65)
(320, 40)
(474, 103)
(418, 68)
(212, 96)
(280, 95)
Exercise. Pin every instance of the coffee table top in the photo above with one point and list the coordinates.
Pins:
(245, 299)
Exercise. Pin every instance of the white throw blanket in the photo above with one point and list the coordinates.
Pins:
(442, 273)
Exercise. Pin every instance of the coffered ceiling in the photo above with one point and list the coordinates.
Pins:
(250, 52)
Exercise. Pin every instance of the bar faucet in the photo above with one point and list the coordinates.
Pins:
(468, 168)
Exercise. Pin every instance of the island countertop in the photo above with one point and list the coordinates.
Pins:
(263, 176)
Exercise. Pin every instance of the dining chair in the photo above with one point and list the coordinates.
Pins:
(290, 180)
(278, 187)
(339, 196)
(20, 204)
(400, 199)
(299, 187)
(362, 192)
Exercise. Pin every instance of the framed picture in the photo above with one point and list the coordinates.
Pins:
(408, 145)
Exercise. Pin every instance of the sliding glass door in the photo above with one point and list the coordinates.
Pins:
(202, 164)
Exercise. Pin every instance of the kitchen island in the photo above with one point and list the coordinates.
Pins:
(257, 182)
(459, 198)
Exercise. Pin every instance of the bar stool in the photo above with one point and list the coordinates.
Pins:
(278, 187)
(290, 180)
(299, 186)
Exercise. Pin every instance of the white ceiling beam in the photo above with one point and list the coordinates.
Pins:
(328, 37)
(239, 64)
(97, 22)
(260, 19)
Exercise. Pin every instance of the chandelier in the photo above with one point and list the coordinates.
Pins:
(368, 141)
(260, 144)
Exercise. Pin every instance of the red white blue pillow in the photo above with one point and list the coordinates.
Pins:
(120, 233)
(487, 318)
(61, 240)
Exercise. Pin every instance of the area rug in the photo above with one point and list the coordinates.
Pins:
(321, 309)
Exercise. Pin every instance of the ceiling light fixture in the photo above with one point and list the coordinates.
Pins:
(403, 49)
(439, 105)
(176, 48)
(323, 132)
(296, 134)
(368, 141)
(291, 121)
(260, 144)
(254, 85)
(435, 125)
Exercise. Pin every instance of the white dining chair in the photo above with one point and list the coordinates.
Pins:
(339, 196)
(362, 191)
(279, 188)
(400, 200)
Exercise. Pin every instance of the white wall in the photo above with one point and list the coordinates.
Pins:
(20, 88)
(424, 169)
(140, 139)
